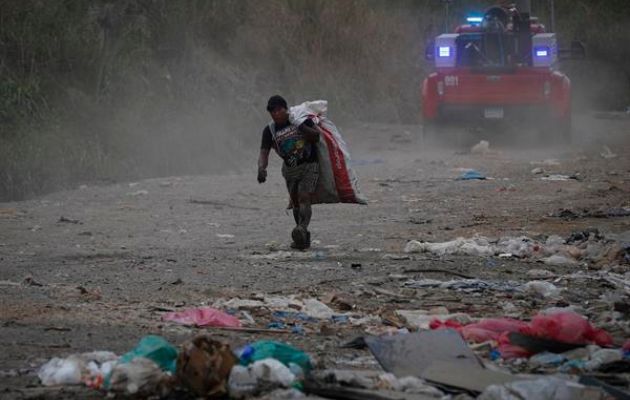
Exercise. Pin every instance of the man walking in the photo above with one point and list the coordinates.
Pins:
(296, 145)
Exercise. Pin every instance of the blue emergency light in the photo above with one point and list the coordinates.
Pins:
(444, 51)
(474, 20)
(541, 51)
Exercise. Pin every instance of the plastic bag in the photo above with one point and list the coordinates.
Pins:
(77, 368)
(337, 181)
(203, 316)
(490, 329)
(567, 327)
(140, 376)
(282, 352)
(156, 349)
(482, 331)
(58, 371)
(267, 373)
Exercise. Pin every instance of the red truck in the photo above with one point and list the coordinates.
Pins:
(500, 66)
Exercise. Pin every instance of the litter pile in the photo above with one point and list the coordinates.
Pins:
(554, 336)
(580, 247)
(421, 355)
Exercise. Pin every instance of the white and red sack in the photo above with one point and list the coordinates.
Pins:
(337, 181)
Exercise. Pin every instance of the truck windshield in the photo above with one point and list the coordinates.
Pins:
(483, 50)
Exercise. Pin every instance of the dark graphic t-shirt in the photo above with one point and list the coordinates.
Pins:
(290, 144)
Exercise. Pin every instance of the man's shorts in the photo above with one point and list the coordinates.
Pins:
(301, 178)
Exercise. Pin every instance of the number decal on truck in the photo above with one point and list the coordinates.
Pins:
(451, 80)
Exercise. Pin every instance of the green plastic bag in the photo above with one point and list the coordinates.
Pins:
(156, 349)
(269, 349)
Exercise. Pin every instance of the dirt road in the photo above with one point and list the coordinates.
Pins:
(95, 267)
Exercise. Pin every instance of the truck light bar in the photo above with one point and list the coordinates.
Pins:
(474, 20)
(444, 51)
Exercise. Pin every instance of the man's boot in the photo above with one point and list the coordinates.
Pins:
(307, 243)
(300, 237)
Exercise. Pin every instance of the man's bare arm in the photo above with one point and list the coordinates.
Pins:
(263, 161)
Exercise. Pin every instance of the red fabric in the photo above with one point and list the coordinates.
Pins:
(340, 172)
(203, 316)
(448, 324)
(566, 327)
(509, 350)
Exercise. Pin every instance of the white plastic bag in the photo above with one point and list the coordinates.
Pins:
(337, 181)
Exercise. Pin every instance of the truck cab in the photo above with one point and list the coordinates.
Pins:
(499, 67)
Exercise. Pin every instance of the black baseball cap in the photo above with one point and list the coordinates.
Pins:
(276, 101)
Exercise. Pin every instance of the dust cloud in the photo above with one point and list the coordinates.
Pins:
(172, 89)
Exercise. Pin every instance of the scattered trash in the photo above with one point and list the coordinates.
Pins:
(77, 368)
(567, 327)
(607, 153)
(268, 373)
(541, 289)
(548, 162)
(411, 354)
(372, 380)
(540, 274)
(316, 309)
(471, 175)
(561, 331)
(139, 377)
(471, 378)
(481, 148)
(156, 349)
(558, 177)
(204, 365)
(63, 219)
(546, 359)
(601, 357)
(422, 319)
(547, 388)
(138, 193)
(284, 353)
(466, 285)
(203, 316)
(553, 251)
(538, 171)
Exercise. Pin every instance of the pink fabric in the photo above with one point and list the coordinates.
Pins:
(203, 316)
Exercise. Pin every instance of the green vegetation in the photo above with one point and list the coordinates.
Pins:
(107, 90)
